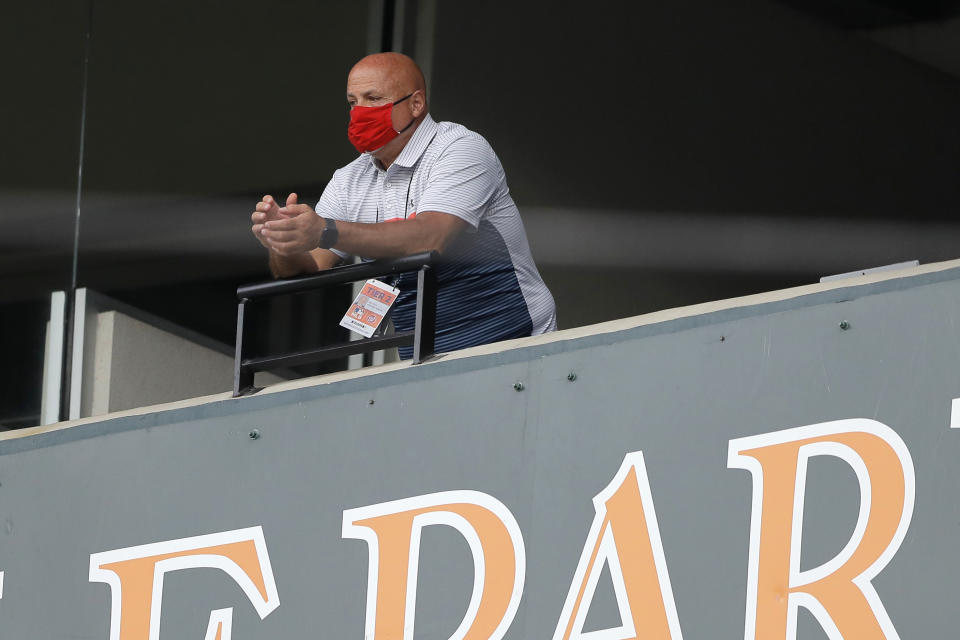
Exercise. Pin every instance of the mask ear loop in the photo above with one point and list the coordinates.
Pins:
(398, 102)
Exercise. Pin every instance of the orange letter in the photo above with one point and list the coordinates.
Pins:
(625, 535)
(392, 532)
(838, 593)
(135, 576)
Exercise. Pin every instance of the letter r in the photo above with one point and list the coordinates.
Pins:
(838, 593)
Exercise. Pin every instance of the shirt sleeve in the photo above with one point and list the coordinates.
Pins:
(463, 180)
(330, 206)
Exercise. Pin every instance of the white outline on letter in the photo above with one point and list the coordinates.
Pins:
(220, 620)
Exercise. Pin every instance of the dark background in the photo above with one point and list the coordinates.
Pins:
(689, 150)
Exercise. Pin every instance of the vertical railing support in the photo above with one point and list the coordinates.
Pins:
(425, 330)
(242, 376)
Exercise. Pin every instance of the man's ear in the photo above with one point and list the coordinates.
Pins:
(419, 103)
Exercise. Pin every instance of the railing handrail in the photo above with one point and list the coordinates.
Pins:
(421, 338)
(337, 275)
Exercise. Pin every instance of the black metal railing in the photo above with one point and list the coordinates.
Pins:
(422, 336)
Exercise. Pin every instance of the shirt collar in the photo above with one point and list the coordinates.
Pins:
(418, 143)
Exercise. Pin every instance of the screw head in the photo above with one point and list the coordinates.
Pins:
(255, 434)
(844, 325)
(571, 376)
(518, 386)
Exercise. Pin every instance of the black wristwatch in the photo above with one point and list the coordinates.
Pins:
(329, 235)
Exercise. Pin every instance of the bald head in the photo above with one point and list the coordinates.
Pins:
(393, 73)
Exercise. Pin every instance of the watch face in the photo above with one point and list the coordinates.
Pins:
(329, 235)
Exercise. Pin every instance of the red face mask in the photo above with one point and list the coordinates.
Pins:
(372, 127)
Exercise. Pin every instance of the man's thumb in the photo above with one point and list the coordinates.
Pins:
(291, 199)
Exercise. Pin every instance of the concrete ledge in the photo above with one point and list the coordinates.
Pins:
(663, 321)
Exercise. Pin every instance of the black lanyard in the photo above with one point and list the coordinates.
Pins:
(406, 198)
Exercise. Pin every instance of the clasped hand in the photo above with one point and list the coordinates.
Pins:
(288, 230)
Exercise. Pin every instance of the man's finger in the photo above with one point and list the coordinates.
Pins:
(280, 236)
(268, 199)
(291, 199)
(290, 240)
(265, 206)
(258, 217)
(284, 248)
(293, 210)
(282, 224)
(256, 234)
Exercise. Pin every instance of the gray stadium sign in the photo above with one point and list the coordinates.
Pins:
(742, 469)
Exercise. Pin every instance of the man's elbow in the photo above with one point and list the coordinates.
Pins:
(438, 245)
(439, 237)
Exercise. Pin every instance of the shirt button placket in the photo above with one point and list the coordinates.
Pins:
(390, 196)
(380, 204)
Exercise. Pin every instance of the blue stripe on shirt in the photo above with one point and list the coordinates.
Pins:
(478, 295)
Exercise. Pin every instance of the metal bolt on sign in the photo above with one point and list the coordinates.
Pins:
(844, 325)
(571, 376)
(518, 386)
(255, 434)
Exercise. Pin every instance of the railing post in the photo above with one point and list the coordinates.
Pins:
(242, 376)
(425, 330)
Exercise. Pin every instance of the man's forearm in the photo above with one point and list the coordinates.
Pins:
(302, 229)
(427, 232)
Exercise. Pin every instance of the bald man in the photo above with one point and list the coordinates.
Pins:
(417, 185)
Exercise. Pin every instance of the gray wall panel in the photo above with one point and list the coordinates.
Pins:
(679, 391)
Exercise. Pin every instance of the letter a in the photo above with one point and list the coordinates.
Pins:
(135, 576)
(392, 532)
(625, 535)
(838, 593)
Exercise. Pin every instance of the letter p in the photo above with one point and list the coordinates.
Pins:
(392, 532)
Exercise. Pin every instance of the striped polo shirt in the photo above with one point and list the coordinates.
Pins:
(488, 286)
